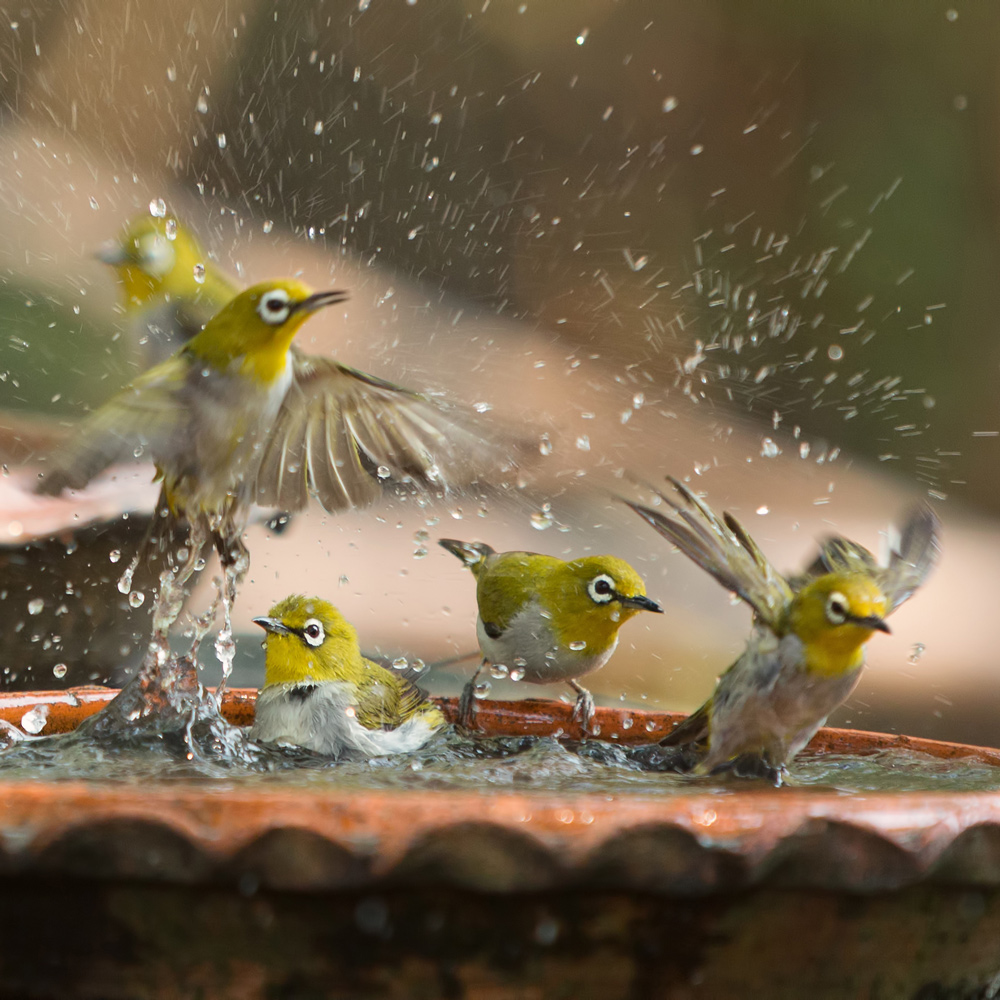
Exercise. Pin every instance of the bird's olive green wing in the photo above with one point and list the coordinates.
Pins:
(508, 582)
(139, 422)
(913, 558)
(386, 700)
(693, 730)
(341, 435)
(722, 547)
(837, 555)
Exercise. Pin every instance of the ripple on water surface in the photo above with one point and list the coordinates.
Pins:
(454, 762)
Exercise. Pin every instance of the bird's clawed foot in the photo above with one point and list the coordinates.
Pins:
(467, 706)
(583, 710)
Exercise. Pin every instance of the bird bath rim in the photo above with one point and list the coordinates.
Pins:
(690, 844)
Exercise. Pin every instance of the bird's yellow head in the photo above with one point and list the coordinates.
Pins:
(256, 328)
(589, 599)
(834, 616)
(308, 639)
(158, 257)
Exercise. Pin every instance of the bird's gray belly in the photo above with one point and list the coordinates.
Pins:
(528, 646)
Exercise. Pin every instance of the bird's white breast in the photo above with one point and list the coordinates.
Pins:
(324, 721)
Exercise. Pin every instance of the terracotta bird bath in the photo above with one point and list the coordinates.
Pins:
(210, 889)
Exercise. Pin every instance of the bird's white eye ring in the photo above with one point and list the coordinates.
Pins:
(601, 589)
(313, 632)
(836, 608)
(274, 307)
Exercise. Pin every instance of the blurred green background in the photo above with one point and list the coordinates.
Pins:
(595, 167)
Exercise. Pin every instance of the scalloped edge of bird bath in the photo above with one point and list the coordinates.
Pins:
(681, 844)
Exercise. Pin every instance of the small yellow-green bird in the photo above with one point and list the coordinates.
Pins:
(170, 286)
(548, 620)
(320, 693)
(234, 418)
(805, 654)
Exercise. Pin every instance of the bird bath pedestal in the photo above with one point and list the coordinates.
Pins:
(211, 889)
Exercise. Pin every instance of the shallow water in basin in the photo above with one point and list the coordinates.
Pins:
(454, 762)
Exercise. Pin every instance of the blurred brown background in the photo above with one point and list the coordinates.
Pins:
(742, 239)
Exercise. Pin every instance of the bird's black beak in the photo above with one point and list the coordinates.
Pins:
(872, 621)
(320, 300)
(274, 625)
(641, 602)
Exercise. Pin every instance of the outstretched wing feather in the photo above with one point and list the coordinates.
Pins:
(341, 433)
(724, 549)
(147, 415)
(911, 562)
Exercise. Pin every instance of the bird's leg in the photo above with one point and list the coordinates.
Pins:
(584, 708)
(467, 703)
(235, 559)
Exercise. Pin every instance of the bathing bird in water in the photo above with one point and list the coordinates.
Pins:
(806, 652)
(547, 620)
(320, 693)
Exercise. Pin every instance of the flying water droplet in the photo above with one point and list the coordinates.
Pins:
(545, 445)
(383, 472)
(115, 555)
(199, 273)
(157, 208)
(35, 606)
(125, 583)
(171, 229)
(417, 666)
(482, 690)
(583, 442)
(769, 449)
(400, 663)
(916, 651)
(201, 105)
(33, 721)
(225, 651)
(221, 140)
(318, 128)
(59, 670)
(136, 598)
(542, 519)
(268, 225)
